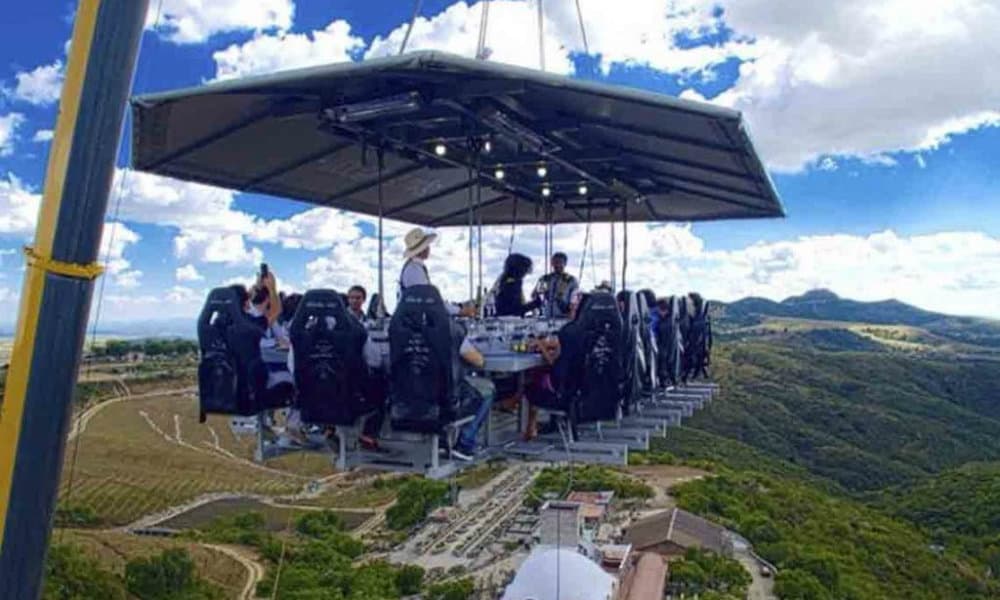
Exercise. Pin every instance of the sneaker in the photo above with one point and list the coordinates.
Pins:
(286, 441)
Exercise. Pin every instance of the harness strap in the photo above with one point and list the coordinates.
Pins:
(50, 265)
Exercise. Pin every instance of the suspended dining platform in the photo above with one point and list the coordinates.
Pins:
(439, 140)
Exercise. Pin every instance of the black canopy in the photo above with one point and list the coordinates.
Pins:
(540, 144)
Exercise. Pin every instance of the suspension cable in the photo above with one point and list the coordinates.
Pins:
(472, 274)
(479, 224)
(484, 18)
(583, 29)
(612, 224)
(409, 28)
(513, 227)
(381, 210)
(586, 243)
(624, 243)
(541, 36)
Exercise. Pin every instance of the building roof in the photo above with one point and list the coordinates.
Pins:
(311, 134)
(602, 498)
(649, 578)
(578, 577)
(591, 511)
(679, 527)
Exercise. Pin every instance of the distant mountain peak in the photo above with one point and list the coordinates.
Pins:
(817, 295)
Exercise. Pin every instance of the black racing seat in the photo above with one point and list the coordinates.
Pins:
(697, 339)
(232, 379)
(329, 362)
(646, 303)
(630, 350)
(422, 353)
(589, 371)
(669, 342)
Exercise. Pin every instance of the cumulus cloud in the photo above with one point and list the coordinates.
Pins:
(188, 273)
(40, 86)
(18, 206)
(115, 240)
(194, 21)
(275, 52)
(860, 78)
(42, 136)
(8, 132)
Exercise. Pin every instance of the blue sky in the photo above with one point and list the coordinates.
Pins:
(877, 119)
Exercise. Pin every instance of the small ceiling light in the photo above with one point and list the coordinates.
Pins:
(498, 174)
(440, 149)
(583, 190)
(546, 191)
(487, 146)
(542, 171)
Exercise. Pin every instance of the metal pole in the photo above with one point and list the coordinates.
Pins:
(612, 224)
(624, 243)
(472, 274)
(381, 210)
(59, 282)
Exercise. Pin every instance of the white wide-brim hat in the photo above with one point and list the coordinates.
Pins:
(417, 240)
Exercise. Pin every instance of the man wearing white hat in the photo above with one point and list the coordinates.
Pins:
(418, 248)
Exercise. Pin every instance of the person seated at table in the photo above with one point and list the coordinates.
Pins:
(356, 302)
(509, 288)
(554, 291)
(541, 389)
(475, 395)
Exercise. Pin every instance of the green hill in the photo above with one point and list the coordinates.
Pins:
(824, 305)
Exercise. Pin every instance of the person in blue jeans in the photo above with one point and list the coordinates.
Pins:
(476, 396)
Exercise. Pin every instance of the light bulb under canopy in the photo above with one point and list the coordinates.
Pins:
(583, 190)
(498, 174)
(542, 171)
(440, 149)
(546, 191)
(487, 146)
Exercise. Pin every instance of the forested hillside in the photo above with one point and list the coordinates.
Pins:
(861, 468)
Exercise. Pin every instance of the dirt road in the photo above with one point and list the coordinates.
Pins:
(255, 570)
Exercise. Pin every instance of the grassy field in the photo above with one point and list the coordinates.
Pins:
(113, 550)
(130, 461)
(276, 518)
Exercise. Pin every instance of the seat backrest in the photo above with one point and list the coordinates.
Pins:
(373, 307)
(422, 355)
(593, 365)
(329, 359)
(630, 351)
(668, 342)
(231, 375)
(646, 303)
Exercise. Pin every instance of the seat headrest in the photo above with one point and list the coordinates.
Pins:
(419, 297)
(318, 304)
(221, 300)
(600, 307)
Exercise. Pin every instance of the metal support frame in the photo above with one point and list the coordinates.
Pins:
(54, 306)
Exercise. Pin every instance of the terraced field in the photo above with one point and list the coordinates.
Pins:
(142, 456)
(114, 549)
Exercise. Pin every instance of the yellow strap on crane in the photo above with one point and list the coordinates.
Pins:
(51, 265)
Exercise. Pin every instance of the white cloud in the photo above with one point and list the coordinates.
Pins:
(194, 21)
(42, 135)
(8, 132)
(229, 249)
(18, 207)
(862, 78)
(188, 273)
(266, 53)
(41, 85)
(115, 240)
(211, 229)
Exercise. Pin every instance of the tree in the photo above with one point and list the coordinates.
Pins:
(409, 579)
(795, 584)
(457, 589)
(167, 576)
(72, 575)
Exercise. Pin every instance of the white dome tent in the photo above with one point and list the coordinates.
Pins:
(551, 573)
